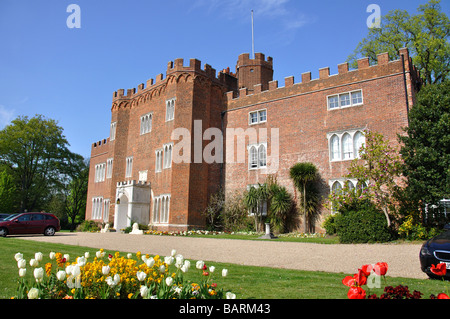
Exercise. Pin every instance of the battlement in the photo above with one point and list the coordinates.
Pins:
(363, 71)
(244, 60)
(195, 66)
(100, 147)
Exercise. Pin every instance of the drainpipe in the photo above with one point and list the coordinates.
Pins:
(406, 88)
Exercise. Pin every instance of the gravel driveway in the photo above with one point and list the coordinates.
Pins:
(403, 259)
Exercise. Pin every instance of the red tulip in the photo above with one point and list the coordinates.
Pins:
(367, 269)
(443, 296)
(360, 278)
(356, 293)
(381, 268)
(349, 281)
(440, 269)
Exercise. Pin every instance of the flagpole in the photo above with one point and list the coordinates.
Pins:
(253, 38)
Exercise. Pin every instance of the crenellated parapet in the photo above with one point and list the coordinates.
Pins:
(100, 147)
(363, 72)
(177, 71)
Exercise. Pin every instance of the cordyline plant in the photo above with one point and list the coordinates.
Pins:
(379, 167)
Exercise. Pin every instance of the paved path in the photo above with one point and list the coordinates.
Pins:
(403, 259)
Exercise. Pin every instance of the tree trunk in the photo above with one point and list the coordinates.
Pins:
(385, 211)
(304, 209)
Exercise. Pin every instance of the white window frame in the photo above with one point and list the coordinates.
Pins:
(258, 117)
(129, 166)
(159, 160)
(146, 123)
(168, 149)
(255, 161)
(161, 209)
(112, 132)
(353, 147)
(106, 208)
(109, 167)
(170, 109)
(97, 208)
(339, 98)
(100, 172)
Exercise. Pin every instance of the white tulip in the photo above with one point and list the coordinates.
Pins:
(38, 274)
(21, 263)
(200, 264)
(129, 255)
(86, 255)
(168, 260)
(184, 268)
(187, 264)
(33, 293)
(162, 269)
(18, 256)
(61, 275)
(38, 256)
(52, 255)
(230, 295)
(69, 269)
(76, 270)
(144, 291)
(224, 272)
(141, 275)
(34, 262)
(173, 252)
(105, 270)
(169, 281)
(150, 262)
(81, 261)
(67, 256)
(22, 272)
(212, 268)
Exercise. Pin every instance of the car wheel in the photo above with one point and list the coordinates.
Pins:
(3, 232)
(49, 231)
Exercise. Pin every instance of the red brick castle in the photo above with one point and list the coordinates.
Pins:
(176, 139)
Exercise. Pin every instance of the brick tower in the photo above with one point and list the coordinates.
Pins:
(255, 71)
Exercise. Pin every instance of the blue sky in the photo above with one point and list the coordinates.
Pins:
(70, 74)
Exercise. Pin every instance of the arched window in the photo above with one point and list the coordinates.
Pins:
(350, 185)
(336, 187)
(335, 148)
(358, 142)
(347, 146)
(262, 156)
(253, 160)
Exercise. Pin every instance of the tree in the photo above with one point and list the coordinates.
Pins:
(37, 155)
(426, 147)
(379, 167)
(280, 205)
(425, 34)
(255, 200)
(302, 174)
(76, 191)
(7, 192)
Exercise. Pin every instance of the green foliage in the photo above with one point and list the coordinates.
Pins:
(89, 226)
(380, 165)
(7, 192)
(303, 175)
(426, 147)
(37, 156)
(424, 34)
(280, 206)
(329, 224)
(413, 230)
(235, 213)
(363, 224)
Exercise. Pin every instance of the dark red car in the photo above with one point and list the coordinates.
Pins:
(30, 223)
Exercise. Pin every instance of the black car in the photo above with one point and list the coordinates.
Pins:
(435, 251)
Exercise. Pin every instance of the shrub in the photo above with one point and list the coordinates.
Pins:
(364, 225)
(329, 224)
(89, 226)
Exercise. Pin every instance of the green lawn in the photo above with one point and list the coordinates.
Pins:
(246, 282)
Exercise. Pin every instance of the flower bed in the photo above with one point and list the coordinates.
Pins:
(370, 276)
(116, 277)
